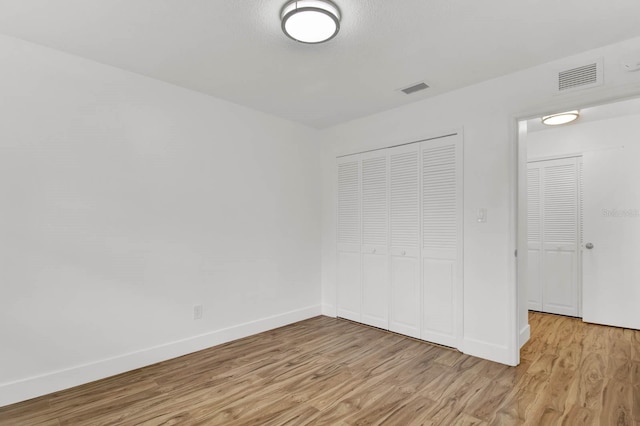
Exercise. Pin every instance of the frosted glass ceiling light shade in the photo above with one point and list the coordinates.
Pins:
(310, 21)
(561, 118)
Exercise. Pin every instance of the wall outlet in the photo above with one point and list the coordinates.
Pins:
(197, 312)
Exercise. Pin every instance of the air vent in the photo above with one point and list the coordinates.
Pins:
(582, 77)
(415, 88)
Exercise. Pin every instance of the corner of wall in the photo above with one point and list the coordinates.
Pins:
(22, 390)
(329, 310)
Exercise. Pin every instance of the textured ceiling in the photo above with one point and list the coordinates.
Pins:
(235, 49)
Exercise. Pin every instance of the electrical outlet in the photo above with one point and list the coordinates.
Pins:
(197, 312)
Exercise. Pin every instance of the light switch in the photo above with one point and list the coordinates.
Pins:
(481, 215)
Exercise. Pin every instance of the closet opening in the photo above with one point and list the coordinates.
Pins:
(399, 239)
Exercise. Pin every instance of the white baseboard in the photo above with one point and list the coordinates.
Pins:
(525, 334)
(329, 310)
(33, 387)
(490, 351)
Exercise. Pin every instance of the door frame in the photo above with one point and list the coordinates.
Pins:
(519, 330)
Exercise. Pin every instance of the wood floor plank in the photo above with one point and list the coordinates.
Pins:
(484, 405)
(326, 371)
(635, 410)
(377, 413)
(516, 408)
(413, 411)
(617, 403)
(35, 411)
(467, 420)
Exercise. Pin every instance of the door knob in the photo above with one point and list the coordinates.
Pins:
(589, 246)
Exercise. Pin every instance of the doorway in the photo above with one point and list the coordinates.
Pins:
(599, 153)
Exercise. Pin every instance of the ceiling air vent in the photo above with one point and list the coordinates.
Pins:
(415, 88)
(582, 77)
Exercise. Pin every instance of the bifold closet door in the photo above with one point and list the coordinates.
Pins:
(399, 237)
(441, 248)
(349, 288)
(375, 241)
(404, 196)
(553, 236)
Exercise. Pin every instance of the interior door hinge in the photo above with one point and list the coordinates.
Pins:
(515, 253)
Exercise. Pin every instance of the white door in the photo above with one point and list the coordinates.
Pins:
(441, 239)
(611, 267)
(349, 288)
(405, 235)
(553, 247)
(375, 240)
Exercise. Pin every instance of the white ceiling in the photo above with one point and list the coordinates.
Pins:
(235, 49)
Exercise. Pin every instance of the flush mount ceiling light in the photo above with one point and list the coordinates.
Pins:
(560, 118)
(310, 21)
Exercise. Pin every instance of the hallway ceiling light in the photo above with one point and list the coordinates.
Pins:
(560, 118)
(310, 21)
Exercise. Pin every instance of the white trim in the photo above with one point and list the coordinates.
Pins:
(553, 157)
(580, 248)
(54, 381)
(513, 290)
(525, 334)
(407, 141)
(497, 353)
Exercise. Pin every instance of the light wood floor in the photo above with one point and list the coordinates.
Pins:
(329, 371)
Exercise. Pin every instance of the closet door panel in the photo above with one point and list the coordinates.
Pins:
(349, 288)
(441, 183)
(560, 236)
(375, 290)
(560, 292)
(405, 297)
(375, 239)
(405, 234)
(439, 291)
(348, 280)
(534, 279)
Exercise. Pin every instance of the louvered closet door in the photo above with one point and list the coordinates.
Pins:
(405, 236)
(442, 239)
(560, 236)
(375, 240)
(349, 288)
(534, 236)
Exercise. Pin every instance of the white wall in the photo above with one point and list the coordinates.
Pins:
(584, 137)
(125, 201)
(486, 112)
